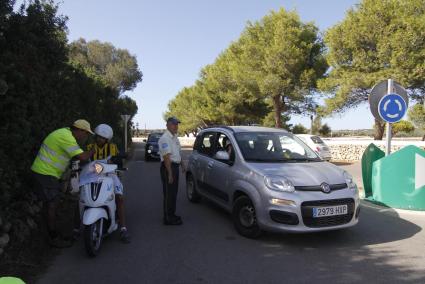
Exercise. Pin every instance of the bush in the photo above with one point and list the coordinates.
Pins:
(42, 92)
(325, 130)
(299, 129)
(402, 126)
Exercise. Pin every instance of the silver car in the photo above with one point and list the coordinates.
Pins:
(317, 145)
(270, 180)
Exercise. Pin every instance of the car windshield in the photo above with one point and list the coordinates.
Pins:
(154, 137)
(274, 147)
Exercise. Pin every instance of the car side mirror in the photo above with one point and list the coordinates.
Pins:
(144, 140)
(222, 156)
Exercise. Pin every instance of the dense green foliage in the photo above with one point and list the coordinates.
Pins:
(376, 41)
(417, 116)
(402, 126)
(116, 67)
(42, 91)
(269, 73)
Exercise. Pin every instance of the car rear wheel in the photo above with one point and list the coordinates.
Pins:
(191, 191)
(245, 219)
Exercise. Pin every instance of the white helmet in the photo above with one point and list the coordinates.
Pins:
(104, 131)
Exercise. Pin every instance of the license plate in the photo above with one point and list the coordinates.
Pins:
(330, 211)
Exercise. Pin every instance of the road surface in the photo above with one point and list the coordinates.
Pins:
(383, 248)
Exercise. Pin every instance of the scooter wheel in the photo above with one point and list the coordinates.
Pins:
(93, 238)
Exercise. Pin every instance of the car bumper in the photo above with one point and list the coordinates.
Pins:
(297, 217)
(327, 156)
(152, 154)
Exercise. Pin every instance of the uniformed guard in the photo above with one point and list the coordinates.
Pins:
(169, 149)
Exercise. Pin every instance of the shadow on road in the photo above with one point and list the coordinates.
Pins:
(381, 248)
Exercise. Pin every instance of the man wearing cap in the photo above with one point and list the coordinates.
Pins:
(52, 160)
(169, 150)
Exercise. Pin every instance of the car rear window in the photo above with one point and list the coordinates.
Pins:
(317, 140)
(154, 137)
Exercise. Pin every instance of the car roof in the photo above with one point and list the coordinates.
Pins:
(305, 135)
(238, 129)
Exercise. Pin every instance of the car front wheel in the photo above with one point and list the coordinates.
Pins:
(245, 219)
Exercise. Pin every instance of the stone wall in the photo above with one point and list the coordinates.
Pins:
(352, 149)
(350, 152)
(347, 149)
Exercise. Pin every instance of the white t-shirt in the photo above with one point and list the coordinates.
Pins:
(170, 144)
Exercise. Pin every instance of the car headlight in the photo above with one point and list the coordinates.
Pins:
(350, 182)
(279, 183)
(98, 168)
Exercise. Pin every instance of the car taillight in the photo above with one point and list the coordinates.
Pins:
(318, 149)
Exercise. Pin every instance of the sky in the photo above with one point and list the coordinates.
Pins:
(173, 40)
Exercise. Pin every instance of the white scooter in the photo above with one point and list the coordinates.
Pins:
(97, 201)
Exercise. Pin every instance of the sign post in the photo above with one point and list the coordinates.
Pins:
(125, 118)
(389, 126)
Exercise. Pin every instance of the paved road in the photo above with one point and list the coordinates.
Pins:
(384, 247)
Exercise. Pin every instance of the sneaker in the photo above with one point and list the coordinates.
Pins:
(125, 236)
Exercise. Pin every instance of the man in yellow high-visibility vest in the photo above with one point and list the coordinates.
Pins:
(52, 160)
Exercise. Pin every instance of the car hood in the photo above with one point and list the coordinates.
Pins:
(302, 174)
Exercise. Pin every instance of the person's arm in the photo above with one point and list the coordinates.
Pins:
(85, 156)
(71, 147)
(167, 164)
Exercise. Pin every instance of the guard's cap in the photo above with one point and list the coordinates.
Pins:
(173, 120)
(83, 125)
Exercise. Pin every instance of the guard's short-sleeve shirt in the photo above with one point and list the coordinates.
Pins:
(170, 144)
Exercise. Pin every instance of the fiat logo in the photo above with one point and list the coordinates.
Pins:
(325, 187)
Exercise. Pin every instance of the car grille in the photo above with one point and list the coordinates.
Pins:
(333, 187)
(309, 221)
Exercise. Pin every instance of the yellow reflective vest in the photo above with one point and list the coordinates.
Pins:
(55, 153)
(109, 149)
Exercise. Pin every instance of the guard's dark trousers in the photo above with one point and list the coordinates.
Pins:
(170, 190)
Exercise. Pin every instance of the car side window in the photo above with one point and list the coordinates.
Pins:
(224, 144)
(206, 144)
(197, 144)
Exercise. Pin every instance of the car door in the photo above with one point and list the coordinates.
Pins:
(218, 176)
(200, 159)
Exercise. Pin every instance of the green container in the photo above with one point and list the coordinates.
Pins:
(370, 155)
(398, 180)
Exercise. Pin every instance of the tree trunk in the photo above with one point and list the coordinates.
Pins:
(277, 104)
(379, 129)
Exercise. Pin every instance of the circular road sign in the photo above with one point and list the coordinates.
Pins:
(392, 108)
(379, 91)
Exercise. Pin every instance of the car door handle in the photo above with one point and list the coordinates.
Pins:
(210, 165)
